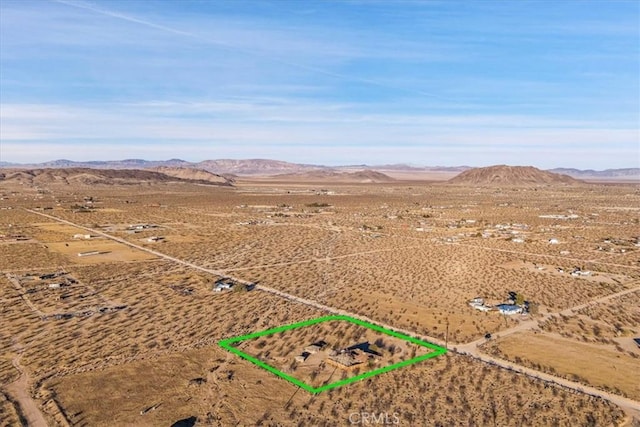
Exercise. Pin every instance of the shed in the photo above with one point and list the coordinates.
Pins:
(89, 253)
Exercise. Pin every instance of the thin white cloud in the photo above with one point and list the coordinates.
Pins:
(274, 110)
(264, 56)
(36, 132)
(595, 158)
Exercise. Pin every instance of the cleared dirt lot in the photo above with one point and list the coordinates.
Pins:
(107, 251)
(592, 364)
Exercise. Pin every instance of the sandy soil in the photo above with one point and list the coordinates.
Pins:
(585, 362)
(408, 255)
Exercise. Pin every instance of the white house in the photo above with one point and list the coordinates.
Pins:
(553, 241)
(477, 300)
(509, 309)
(222, 286)
(578, 272)
(478, 304)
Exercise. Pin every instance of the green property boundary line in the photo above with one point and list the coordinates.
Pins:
(227, 344)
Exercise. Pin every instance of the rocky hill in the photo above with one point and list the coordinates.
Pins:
(86, 176)
(503, 175)
(193, 174)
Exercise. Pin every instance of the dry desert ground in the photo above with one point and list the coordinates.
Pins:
(108, 314)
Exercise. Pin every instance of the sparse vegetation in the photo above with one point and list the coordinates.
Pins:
(417, 280)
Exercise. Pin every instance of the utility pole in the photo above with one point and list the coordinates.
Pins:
(446, 336)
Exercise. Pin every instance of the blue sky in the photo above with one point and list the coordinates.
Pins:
(543, 83)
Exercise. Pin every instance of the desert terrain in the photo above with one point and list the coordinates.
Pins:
(110, 316)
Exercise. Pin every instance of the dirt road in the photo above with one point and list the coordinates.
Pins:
(19, 392)
(23, 294)
(564, 258)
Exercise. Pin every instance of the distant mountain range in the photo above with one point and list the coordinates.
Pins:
(361, 176)
(249, 167)
(108, 164)
(265, 167)
(607, 173)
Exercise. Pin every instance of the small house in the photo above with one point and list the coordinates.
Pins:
(223, 285)
(140, 227)
(509, 309)
(346, 359)
(312, 349)
(478, 304)
(315, 347)
(577, 271)
(219, 287)
(302, 357)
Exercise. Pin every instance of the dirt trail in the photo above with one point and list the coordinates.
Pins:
(466, 349)
(23, 294)
(564, 258)
(19, 392)
(320, 259)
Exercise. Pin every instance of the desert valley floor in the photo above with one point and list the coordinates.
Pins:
(109, 312)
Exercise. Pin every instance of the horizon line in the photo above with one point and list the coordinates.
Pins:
(5, 164)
